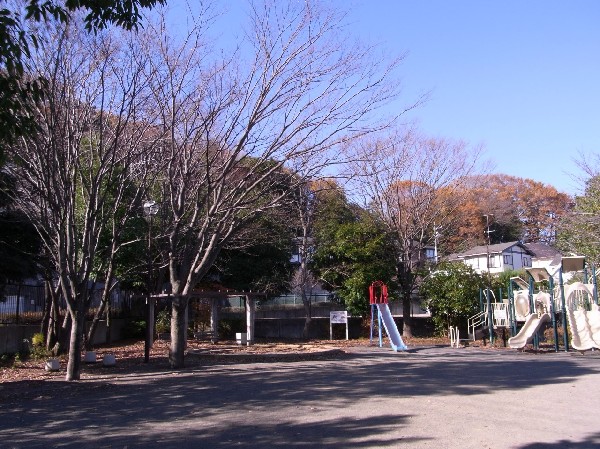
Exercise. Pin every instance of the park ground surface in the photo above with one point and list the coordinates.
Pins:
(314, 395)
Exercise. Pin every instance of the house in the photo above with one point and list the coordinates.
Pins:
(545, 256)
(502, 257)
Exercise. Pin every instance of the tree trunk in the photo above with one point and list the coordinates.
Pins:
(75, 343)
(308, 316)
(178, 331)
(406, 318)
(53, 331)
(214, 319)
(108, 324)
(61, 335)
(50, 325)
(47, 317)
(94, 325)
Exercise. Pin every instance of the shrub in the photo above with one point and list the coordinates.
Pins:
(37, 348)
(163, 322)
(134, 329)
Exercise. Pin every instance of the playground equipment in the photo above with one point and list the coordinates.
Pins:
(584, 324)
(575, 305)
(493, 315)
(378, 298)
(534, 319)
(454, 337)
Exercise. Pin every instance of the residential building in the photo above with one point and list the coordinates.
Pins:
(545, 256)
(502, 257)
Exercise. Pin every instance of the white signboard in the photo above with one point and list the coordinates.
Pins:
(338, 317)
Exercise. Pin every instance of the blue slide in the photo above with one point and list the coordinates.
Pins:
(391, 328)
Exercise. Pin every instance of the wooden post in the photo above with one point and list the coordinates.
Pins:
(214, 319)
(250, 312)
(149, 328)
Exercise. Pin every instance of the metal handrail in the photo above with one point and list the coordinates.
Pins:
(476, 321)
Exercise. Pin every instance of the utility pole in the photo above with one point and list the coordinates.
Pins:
(435, 240)
(489, 276)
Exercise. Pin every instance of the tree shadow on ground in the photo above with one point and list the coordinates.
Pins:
(591, 441)
(260, 405)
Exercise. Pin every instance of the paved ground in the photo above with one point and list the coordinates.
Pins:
(372, 398)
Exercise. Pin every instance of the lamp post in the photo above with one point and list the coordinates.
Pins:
(489, 276)
(150, 210)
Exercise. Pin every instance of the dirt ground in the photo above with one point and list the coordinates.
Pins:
(130, 356)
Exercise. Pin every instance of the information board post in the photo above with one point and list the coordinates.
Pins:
(338, 317)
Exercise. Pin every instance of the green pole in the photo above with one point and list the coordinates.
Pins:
(552, 313)
(595, 284)
(511, 305)
(536, 341)
(564, 309)
(585, 281)
(481, 300)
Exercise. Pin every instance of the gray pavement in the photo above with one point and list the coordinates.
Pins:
(373, 398)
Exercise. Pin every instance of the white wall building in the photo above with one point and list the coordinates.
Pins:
(502, 257)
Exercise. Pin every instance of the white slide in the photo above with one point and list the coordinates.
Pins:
(391, 328)
(585, 325)
(593, 317)
(581, 332)
(531, 326)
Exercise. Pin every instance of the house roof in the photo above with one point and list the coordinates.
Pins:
(497, 248)
(542, 251)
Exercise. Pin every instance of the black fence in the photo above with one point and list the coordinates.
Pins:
(25, 304)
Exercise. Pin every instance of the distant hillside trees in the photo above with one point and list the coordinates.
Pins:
(519, 209)
(578, 231)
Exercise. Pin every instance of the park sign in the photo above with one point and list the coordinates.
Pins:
(338, 317)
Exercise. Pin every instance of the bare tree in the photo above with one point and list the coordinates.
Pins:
(242, 132)
(413, 184)
(75, 172)
(303, 282)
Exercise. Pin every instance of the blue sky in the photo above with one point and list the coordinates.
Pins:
(521, 77)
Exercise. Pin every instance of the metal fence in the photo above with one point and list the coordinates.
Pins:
(25, 304)
(282, 300)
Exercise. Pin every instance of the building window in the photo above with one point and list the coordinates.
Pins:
(526, 261)
(508, 259)
(492, 261)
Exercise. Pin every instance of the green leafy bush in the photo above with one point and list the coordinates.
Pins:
(451, 293)
(163, 322)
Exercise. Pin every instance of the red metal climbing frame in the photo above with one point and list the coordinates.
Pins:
(378, 293)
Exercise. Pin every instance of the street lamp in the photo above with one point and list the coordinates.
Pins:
(150, 210)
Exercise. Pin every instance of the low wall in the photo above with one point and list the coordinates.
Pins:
(292, 328)
(12, 336)
(284, 312)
